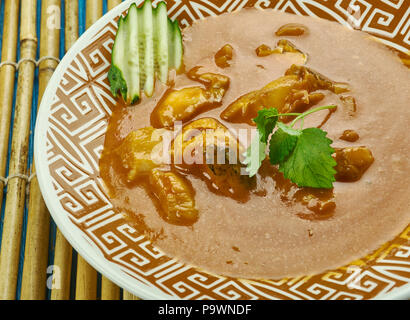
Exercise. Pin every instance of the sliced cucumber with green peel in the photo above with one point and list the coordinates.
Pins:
(161, 45)
(132, 54)
(171, 45)
(124, 71)
(147, 45)
(178, 49)
(115, 76)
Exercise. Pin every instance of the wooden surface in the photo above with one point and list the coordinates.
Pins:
(36, 262)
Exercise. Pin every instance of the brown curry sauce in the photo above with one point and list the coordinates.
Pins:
(277, 229)
(296, 91)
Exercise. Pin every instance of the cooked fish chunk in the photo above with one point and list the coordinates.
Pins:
(292, 29)
(223, 56)
(140, 151)
(352, 163)
(287, 94)
(184, 104)
(207, 149)
(175, 196)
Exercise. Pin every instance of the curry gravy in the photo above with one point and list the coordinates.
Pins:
(273, 234)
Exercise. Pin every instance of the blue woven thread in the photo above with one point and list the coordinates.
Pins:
(1, 43)
(1, 23)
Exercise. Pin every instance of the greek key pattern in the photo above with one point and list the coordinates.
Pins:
(388, 20)
(79, 113)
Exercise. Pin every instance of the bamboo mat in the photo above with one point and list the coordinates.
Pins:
(36, 262)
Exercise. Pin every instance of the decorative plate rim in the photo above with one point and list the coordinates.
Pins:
(78, 239)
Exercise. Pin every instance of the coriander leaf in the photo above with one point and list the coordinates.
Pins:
(311, 163)
(282, 143)
(266, 122)
(254, 155)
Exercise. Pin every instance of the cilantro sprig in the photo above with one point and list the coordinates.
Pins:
(304, 156)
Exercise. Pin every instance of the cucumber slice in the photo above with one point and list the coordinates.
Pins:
(141, 46)
(178, 47)
(155, 41)
(161, 34)
(170, 36)
(148, 45)
(175, 48)
(115, 75)
(124, 71)
(131, 71)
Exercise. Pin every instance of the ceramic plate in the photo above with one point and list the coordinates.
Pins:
(69, 138)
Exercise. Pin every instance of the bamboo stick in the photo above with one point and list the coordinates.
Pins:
(113, 3)
(109, 290)
(62, 260)
(38, 223)
(129, 296)
(7, 78)
(94, 10)
(86, 286)
(63, 250)
(86, 281)
(71, 23)
(13, 215)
